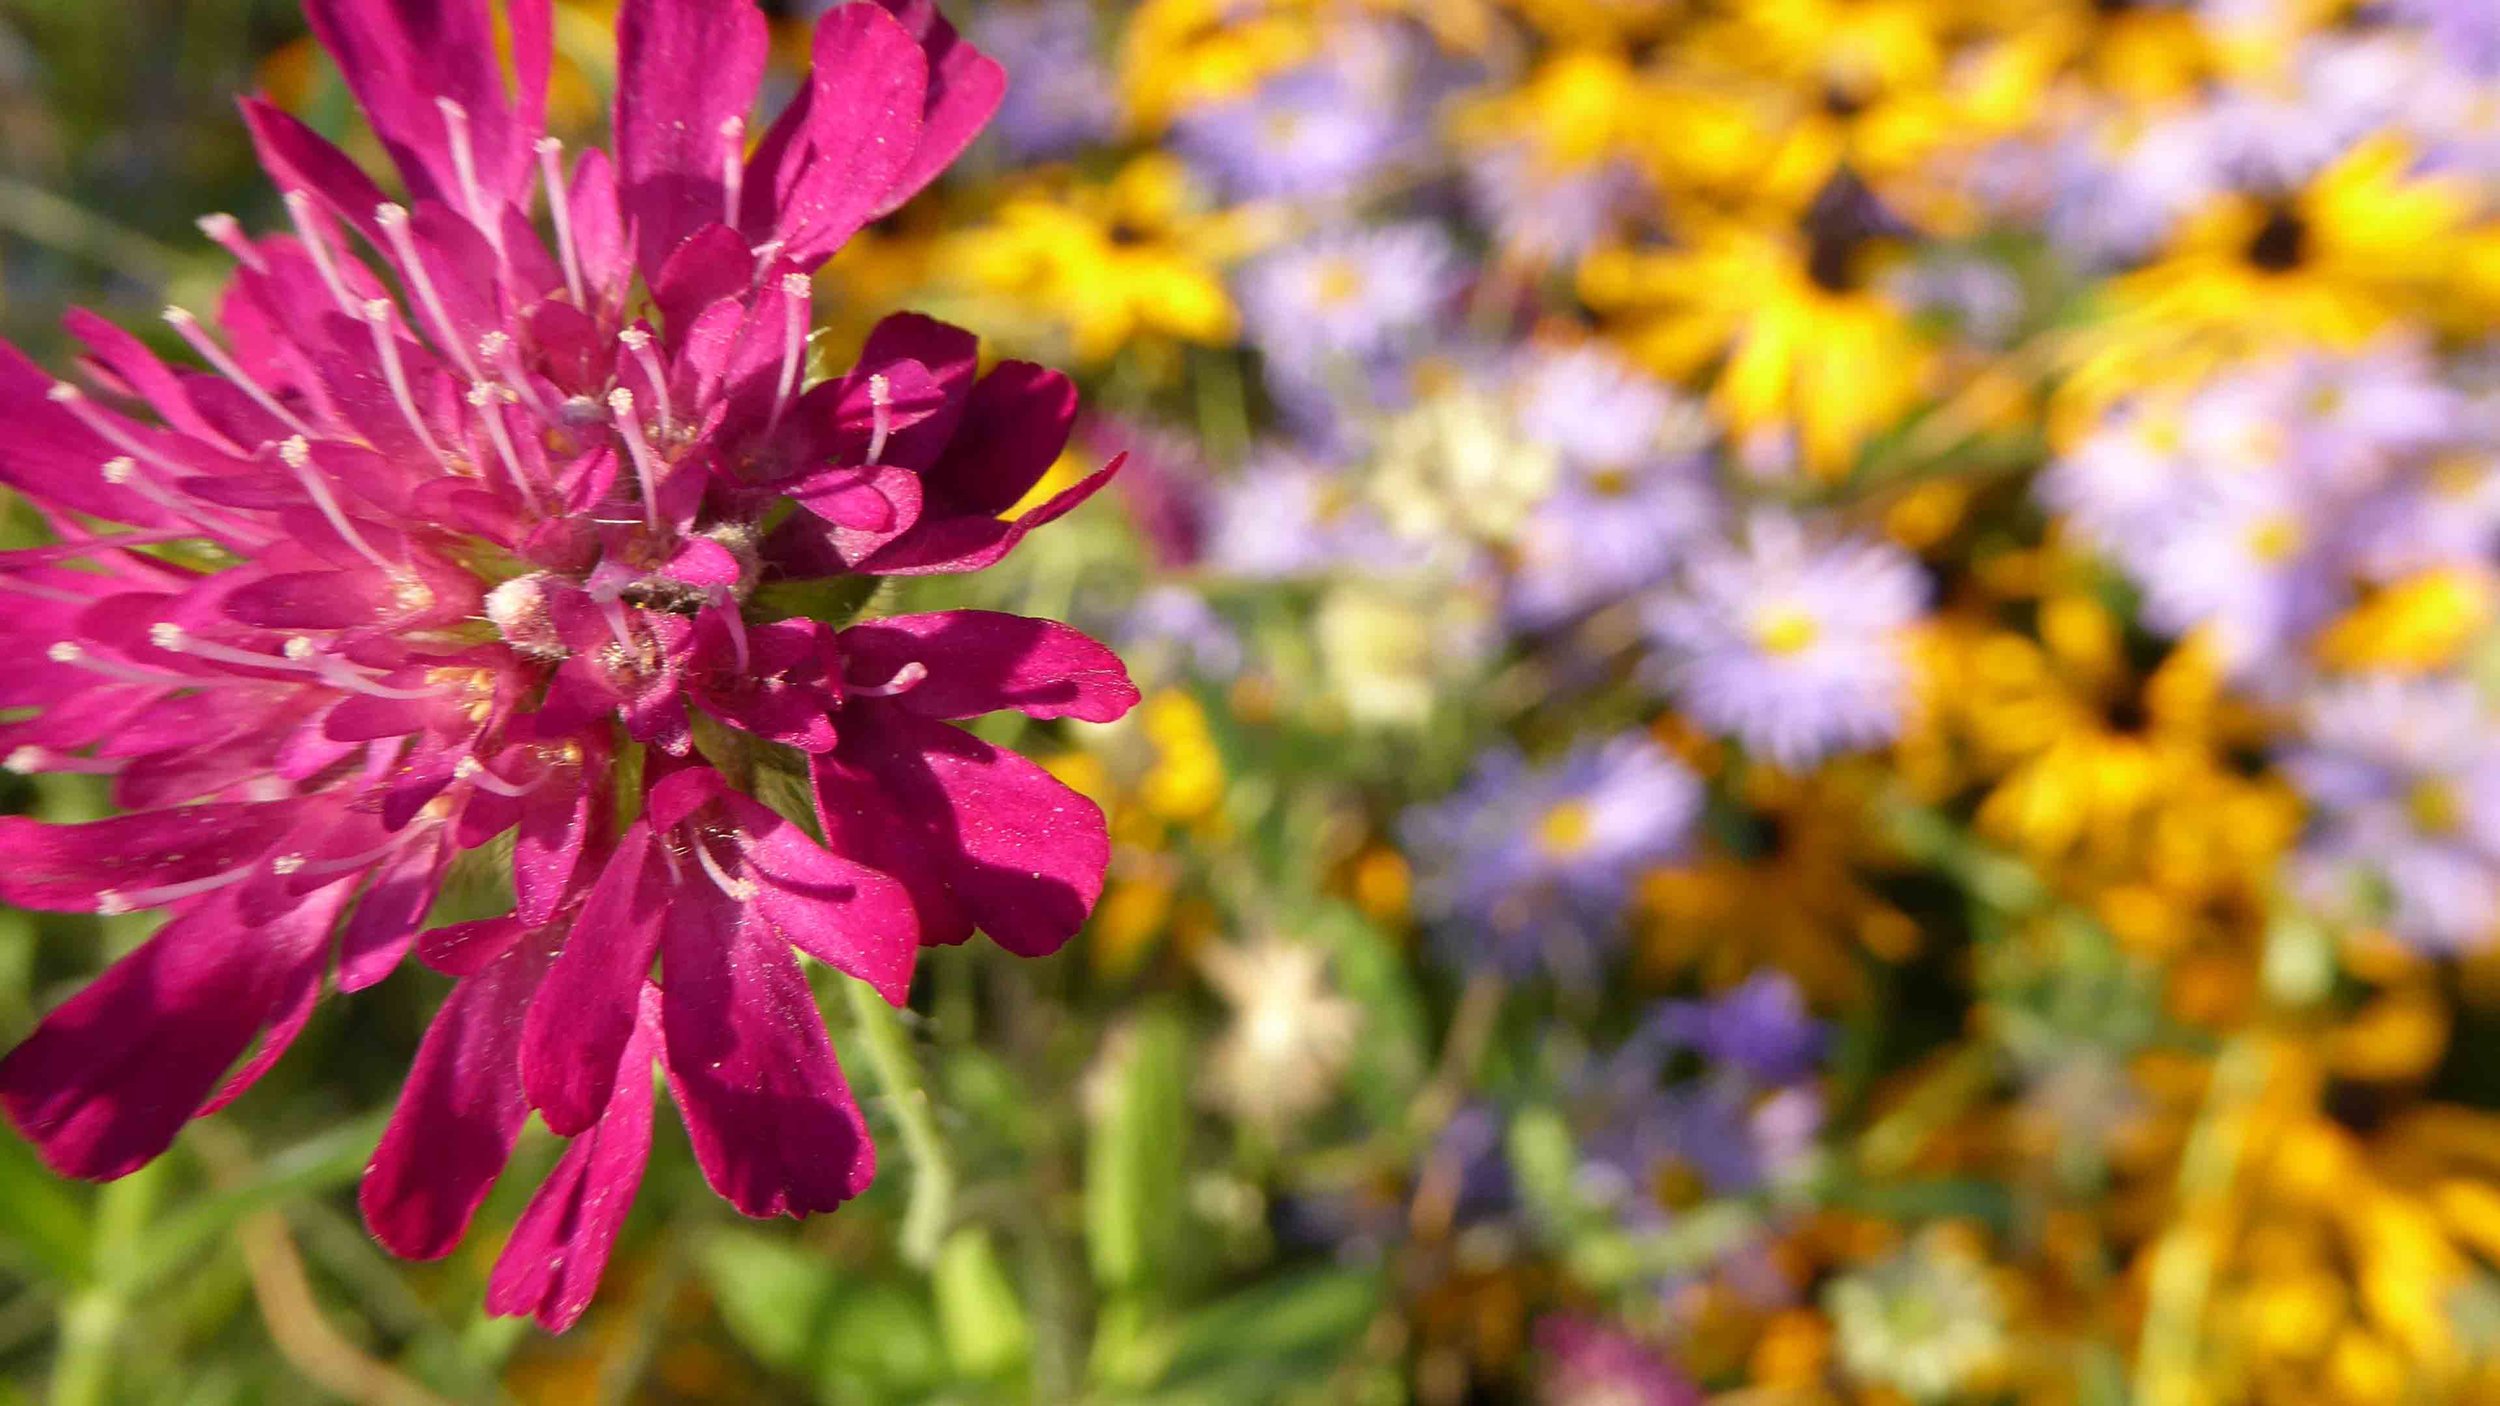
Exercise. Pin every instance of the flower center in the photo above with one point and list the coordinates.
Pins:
(1566, 829)
(1785, 631)
(1340, 283)
(2434, 808)
(2275, 540)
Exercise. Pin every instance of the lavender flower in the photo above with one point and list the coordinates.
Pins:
(1350, 297)
(1313, 131)
(1063, 99)
(1795, 647)
(2403, 780)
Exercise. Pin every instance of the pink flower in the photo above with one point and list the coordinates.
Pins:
(398, 575)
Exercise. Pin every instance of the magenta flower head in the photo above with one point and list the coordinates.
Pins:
(473, 527)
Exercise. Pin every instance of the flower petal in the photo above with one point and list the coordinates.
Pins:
(584, 1012)
(980, 661)
(458, 1115)
(550, 1267)
(684, 69)
(772, 1122)
(72, 868)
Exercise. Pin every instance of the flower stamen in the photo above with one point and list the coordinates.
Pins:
(394, 222)
(560, 210)
(188, 327)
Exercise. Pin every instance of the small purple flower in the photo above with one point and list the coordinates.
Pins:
(1314, 131)
(1285, 515)
(1797, 648)
(1546, 214)
(2465, 32)
(1349, 298)
(2403, 779)
(1064, 98)
(1761, 1027)
(1589, 1363)
(1529, 867)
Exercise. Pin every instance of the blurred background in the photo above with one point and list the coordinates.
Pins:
(1819, 729)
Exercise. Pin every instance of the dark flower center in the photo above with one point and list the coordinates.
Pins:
(2281, 244)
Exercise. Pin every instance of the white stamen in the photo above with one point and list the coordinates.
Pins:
(394, 222)
(113, 902)
(301, 647)
(377, 315)
(297, 456)
(737, 627)
(473, 771)
(646, 464)
(905, 679)
(286, 864)
(559, 208)
(69, 652)
(638, 342)
(26, 761)
(174, 639)
(739, 890)
(226, 233)
(733, 163)
(299, 209)
(800, 294)
(464, 169)
(880, 415)
(767, 254)
(339, 673)
(487, 399)
(190, 330)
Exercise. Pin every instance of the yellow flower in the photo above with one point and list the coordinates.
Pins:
(1177, 54)
(1786, 327)
(1104, 266)
(2367, 241)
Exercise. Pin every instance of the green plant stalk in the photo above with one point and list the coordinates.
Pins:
(931, 1205)
(92, 1318)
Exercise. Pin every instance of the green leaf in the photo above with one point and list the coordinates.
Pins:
(43, 1225)
(978, 1313)
(770, 1294)
(1134, 1159)
(1267, 1338)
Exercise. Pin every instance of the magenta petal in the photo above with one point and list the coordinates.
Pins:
(457, 1117)
(980, 661)
(73, 868)
(941, 545)
(772, 1122)
(1021, 853)
(684, 68)
(465, 949)
(1013, 428)
(862, 127)
(387, 917)
(51, 457)
(300, 159)
(547, 848)
(314, 600)
(584, 1013)
(550, 1267)
(848, 916)
(399, 58)
(965, 86)
(109, 1078)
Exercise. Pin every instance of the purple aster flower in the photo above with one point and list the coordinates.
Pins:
(2466, 32)
(1588, 1363)
(1064, 98)
(1314, 131)
(1760, 1027)
(1285, 515)
(1547, 214)
(1349, 298)
(489, 554)
(1795, 647)
(1529, 867)
(2403, 780)
(1631, 495)
(1649, 1145)
(1172, 630)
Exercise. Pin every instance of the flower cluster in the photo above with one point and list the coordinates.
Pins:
(467, 537)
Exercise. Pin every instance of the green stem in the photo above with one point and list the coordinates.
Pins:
(93, 1317)
(925, 1217)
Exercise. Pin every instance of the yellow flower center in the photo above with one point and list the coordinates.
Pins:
(2434, 807)
(1786, 631)
(1610, 483)
(2275, 539)
(1340, 282)
(1566, 829)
